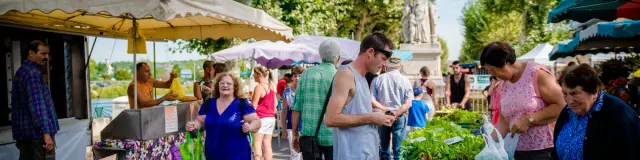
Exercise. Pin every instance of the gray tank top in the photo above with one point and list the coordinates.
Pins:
(360, 142)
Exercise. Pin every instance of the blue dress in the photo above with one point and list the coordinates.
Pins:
(224, 138)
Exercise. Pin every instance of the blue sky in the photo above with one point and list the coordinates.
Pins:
(449, 28)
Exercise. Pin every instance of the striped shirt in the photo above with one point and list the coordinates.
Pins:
(32, 110)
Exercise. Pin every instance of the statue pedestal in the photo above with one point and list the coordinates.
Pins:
(423, 55)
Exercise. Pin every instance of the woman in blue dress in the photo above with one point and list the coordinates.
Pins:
(227, 119)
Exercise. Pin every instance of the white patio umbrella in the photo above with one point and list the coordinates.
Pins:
(349, 49)
(269, 54)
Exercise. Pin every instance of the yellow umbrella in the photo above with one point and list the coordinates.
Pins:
(157, 19)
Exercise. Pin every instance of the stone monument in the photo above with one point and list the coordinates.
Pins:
(419, 36)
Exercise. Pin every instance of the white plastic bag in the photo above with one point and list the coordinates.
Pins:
(510, 144)
(492, 150)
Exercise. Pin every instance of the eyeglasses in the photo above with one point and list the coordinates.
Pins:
(385, 52)
(225, 83)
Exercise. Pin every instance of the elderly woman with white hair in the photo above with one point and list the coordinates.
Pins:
(313, 85)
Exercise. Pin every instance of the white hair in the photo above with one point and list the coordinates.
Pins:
(329, 51)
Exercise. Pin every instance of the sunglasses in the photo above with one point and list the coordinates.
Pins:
(385, 52)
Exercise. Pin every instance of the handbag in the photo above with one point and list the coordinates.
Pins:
(309, 144)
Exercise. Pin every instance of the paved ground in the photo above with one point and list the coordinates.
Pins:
(280, 151)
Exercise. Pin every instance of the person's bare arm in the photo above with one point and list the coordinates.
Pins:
(254, 121)
(503, 128)
(549, 92)
(196, 91)
(283, 113)
(334, 118)
(257, 94)
(434, 90)
(467, 88)
(144, 102)
(377, 106)
(166, 84)
(447, 93)
(295, 121)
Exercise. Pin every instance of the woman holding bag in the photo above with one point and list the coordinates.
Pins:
(530, 100)
(227, 119)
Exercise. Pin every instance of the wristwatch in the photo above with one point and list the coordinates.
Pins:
(530, 119)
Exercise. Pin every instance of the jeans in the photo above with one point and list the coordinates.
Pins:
(326, 151)
(33, 150)
(399, 130)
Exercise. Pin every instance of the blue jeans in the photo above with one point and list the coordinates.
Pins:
(399, 130)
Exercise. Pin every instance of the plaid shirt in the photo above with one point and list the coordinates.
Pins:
(32, 110)
(313, 86)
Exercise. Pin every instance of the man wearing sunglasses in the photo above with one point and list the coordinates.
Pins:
(350, 111)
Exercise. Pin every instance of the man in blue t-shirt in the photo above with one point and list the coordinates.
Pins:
(417, 112)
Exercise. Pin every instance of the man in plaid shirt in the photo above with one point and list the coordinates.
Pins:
(313, 86)
(34, 120)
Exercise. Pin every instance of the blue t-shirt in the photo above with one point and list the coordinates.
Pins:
(225, 139)
(417, 113)
(290, 96)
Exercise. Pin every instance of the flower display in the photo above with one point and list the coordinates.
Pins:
(146, 150)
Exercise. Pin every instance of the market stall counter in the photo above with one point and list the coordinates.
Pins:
(151, 133)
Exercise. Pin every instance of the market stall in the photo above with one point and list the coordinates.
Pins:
(139, 21)
(621, 36)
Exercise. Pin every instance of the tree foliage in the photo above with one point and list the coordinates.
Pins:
(445, 55)
(122, 74)
(203, 47)
(521, 23)
(337, 18)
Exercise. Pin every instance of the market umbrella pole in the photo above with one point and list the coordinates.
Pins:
(135, 68)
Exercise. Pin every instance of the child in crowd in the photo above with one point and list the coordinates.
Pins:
(417, 112)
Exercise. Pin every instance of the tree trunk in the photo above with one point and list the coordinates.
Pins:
(334, 33)
(371, 27)
(523, 29)
(360, 28)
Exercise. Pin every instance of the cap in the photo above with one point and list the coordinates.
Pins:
(417, 91)
(395, 60)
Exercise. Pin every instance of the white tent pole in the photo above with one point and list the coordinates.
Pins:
(135, 68)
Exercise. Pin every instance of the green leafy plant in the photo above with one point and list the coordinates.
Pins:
(471, 120)
(428, 143)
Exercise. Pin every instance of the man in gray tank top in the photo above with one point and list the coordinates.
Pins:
(350, 112)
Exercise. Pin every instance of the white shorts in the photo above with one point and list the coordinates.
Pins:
(267, 125)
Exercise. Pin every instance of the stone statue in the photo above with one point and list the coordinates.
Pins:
(433, 17)
(421, 11)
(416, 22)
(407, 25)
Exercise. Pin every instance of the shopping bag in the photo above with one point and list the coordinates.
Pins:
(492, 150)
(192, 149)
(510, 144)
(176, 89)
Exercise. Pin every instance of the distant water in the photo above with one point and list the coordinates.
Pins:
(105, 105)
